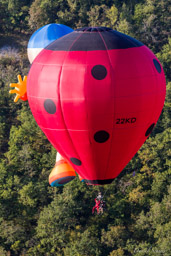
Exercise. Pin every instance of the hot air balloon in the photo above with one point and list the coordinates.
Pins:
(96, 94)
(43, 37)
(62, 173)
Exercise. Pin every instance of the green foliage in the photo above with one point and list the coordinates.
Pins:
(102, 15)
(114, 237)
(36, 219)
(16, 15)
(118, 252)
(165, 58)
(149, 18)
(11, 64)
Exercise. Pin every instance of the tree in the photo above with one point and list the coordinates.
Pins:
(164, 55)
(148, 18)
(43, 12)
(101, 15)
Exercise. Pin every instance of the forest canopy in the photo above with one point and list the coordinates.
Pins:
(36, 219)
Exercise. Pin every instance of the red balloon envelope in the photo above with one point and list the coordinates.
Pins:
(96, 94)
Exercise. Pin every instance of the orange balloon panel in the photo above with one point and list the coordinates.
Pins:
(61, 174)
(96, 94)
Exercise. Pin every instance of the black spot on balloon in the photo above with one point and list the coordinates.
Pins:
(50, 106)
(75, 161)
(149, 130)
(157, 65)
(101, 136)
(99, 72)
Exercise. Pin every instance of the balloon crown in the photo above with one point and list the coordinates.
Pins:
(93, 29)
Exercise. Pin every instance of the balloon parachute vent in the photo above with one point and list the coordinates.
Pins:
(93, 29)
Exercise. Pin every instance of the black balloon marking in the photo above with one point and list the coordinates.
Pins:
(101, 136)
(99, 72)
(75, 161)
(50, 106)
(157, 65)
(149, 130)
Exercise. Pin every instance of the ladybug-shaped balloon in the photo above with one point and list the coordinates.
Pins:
(96, 94)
